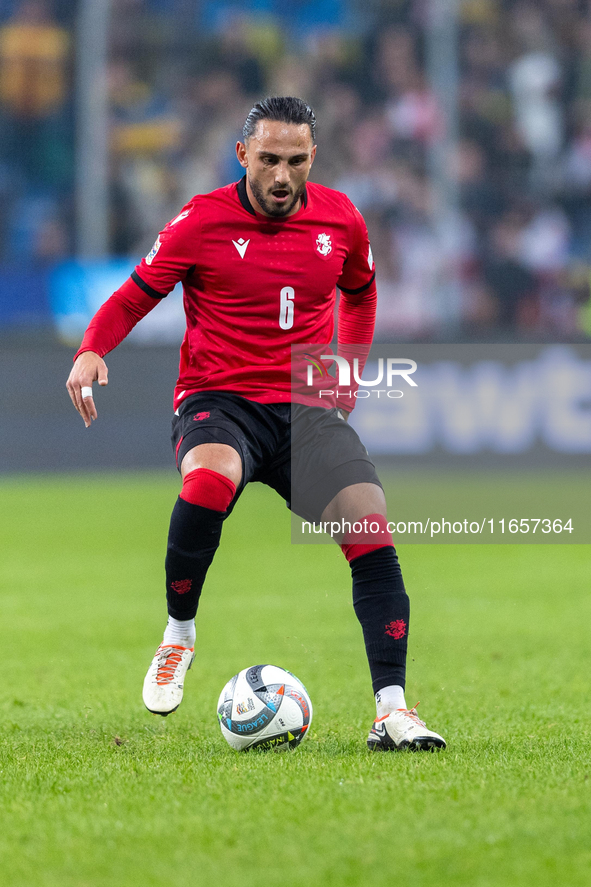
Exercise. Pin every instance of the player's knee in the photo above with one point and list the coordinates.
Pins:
(221, 458)
(358, 499)
(208, 488)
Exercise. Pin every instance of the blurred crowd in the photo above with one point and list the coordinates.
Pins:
(182, 76)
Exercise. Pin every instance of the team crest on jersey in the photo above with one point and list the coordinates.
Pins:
(152, 254)
(324, 245)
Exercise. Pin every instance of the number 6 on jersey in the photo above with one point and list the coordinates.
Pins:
(286, 308)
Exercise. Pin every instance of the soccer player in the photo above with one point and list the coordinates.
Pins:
(260, 261)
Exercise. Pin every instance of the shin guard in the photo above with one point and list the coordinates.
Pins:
(193, 538)
(383, 609)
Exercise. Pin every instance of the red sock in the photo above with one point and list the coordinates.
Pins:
(208, 488)
(368, 534)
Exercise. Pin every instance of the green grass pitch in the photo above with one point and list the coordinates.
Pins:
(96, 792)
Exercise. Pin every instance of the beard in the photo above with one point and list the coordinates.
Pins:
(270, 208)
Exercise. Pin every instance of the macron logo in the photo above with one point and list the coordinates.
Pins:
(241, 245)
(181, 216)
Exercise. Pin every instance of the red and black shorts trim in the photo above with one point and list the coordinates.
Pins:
(306, 454)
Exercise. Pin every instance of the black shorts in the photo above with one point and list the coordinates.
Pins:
(306, 454)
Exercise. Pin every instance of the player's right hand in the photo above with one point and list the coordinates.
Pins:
(88, 368)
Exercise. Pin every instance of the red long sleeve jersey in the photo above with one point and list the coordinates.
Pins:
(253, 287)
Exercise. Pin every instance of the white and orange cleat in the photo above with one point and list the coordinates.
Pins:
(403, 729)
(163, 685)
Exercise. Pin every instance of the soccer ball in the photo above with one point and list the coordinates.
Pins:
(264, 707)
